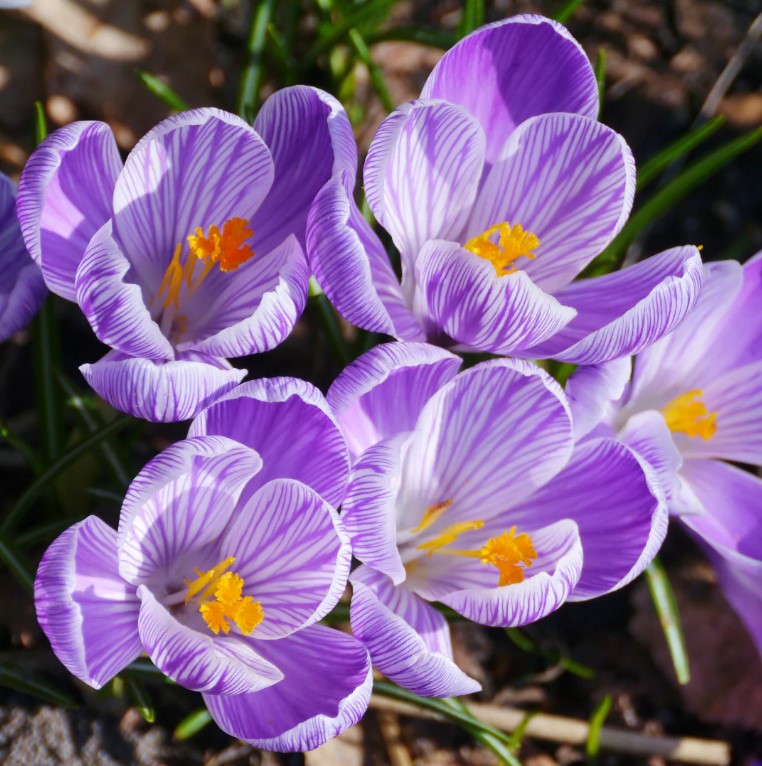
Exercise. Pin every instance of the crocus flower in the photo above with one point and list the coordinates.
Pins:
(225, 559)
(466, 489)
(693, 407)
(192, 251)
(498, 187)
(22, 290)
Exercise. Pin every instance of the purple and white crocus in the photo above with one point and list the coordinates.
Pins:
(467, 489)
(229, 551)
(498, 187)
(192, 251)
(22, 289)
(692, 407)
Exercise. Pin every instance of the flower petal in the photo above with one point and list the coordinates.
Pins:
(506, 72)
(289, 423)
(22, 288)
(487, 440)
(65, 196)
(114, 306)
(729, 532)
(184, 515)
(87, 611)
(292, 552)
(162, 392)
(422, 174)
(310, 139)
(470, 587)
(197, 168)
(252, 312)
(463, 295)
(591, 390)
(200, 661)
(382, 392)
(569, 180)
(617, 505)
(408, 640)
(626, 311)
(326, 688)
(352, 267)
(369, 508)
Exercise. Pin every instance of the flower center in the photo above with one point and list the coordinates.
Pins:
(226, 247)
(220, 595)
(689, 415)
(509, 553)
(513, 242)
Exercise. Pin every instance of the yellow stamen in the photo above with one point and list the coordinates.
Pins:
(449, 535)
(229, 604)
(514, 242)
(689, 415)
(227, 248)
(506, 552)
(431, 514)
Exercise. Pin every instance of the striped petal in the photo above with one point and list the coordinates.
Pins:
(310, 139)
(289, 423)
(87, 611)
(462, 297)
(293, 554)
(325, 690)
(352, 267)
(65, 196)
(567, 179)
(625, 312)
(422, 174)
(507, 72)
(381, 394)
(162, 392)
(408, 640)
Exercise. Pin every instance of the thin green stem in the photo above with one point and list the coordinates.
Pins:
(251, 78)
(162, 91)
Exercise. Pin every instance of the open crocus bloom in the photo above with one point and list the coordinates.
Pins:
(498, 187)
(467, 489)
(22, 289)
(193, 251)
(225, 558)
(695, 402)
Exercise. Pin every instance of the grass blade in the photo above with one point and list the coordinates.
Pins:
(497, 745)
(664, 602)
(17, 563)
(600, 77)
(661, 161)
(598, 718)
(251, 78)
(14, 678)
(473, 17)
(329, 322)
(70, 457)
(432, 38)
(138, 693)
(162, 91)
(564, 13)
(376, 77)
(192, 724)
(21, 447)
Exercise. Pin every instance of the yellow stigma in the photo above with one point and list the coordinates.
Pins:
(687, 414)
(226, 588)
(507, 552)
(513, 243)
(449, 535)
(226, 247)
(431, 514)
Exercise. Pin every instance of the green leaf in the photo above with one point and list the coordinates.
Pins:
(251, 79)
(17, 563)
(432, 38)
(566, 10)
(473, 17)
(521, 640)
(40, 123)
(327, 318)
(600, 77)
(71, 456)
(192, 724)
(664, 602)
(21, 447)
(376, 77)
(15, 678)
(661, 161)
(598, 718)
(162, 91)
(140, 696)
(497, 745)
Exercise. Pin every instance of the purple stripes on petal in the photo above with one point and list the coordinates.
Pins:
(200, 661)
(65, 197)
(506, 72)
(326, 688)
(382, 392)
(463, 295)
(87, 611)
(293, 554)
(408, 640)
(162, 392)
